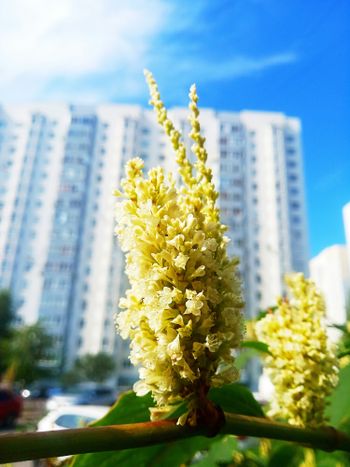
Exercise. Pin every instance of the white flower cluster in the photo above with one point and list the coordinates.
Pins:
(183, 309)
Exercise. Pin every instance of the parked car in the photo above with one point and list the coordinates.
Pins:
(10, 407)
(71, 416)
(97, 395)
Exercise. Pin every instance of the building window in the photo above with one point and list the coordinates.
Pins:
(296, 220)
(289, 138)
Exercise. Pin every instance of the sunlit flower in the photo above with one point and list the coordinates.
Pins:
(183, 309)
(302, 365)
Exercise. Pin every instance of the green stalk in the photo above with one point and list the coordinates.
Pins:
(25, 446)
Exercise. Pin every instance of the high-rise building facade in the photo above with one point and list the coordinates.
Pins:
(330, 271)
(59, 165)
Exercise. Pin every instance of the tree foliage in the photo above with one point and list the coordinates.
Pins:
(93, 367)
(29, 351)
(6, 320)
(6, 313)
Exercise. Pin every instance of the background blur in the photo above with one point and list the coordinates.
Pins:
(262, 55)
(272, 78)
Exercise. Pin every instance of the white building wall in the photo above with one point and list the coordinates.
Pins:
(346, 219)
(36, 156)
(330, 271)
(14, 135)
(51, 166)
(270, 221)
(267, 233)
(100, 245)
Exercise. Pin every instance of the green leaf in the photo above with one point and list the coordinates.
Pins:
(256, 345)
(338, 410)
(129, 408)
(244, 356)
(286, 455)
(262, 313)
(176, 411)
(343, 353)
(332, 459)
(341, 327)
(220, 452)
(132, 409)
(236, 398)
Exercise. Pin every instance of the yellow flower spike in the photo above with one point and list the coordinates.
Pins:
(205, 187)
(185, 167)
(182, 312)
(302, 366)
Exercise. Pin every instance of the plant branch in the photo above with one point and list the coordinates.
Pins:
(24, 446)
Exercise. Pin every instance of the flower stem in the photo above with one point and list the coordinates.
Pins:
(24, 446)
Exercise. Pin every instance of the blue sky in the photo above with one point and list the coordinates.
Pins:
(288, 56)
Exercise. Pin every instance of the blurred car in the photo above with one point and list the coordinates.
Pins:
(10, 407)
(67, 417)
(41, 391)
(99, 395)
(72, 416)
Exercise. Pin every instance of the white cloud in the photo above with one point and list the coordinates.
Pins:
(95, 50)
(242, 66)
(42, 41)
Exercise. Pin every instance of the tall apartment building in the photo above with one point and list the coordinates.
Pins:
(331, 272)
(330, 269)
(59, 165)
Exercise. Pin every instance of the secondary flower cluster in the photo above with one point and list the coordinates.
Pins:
(302, 365)
(183, 309)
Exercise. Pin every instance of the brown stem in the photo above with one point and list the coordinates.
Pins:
(24, 446)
